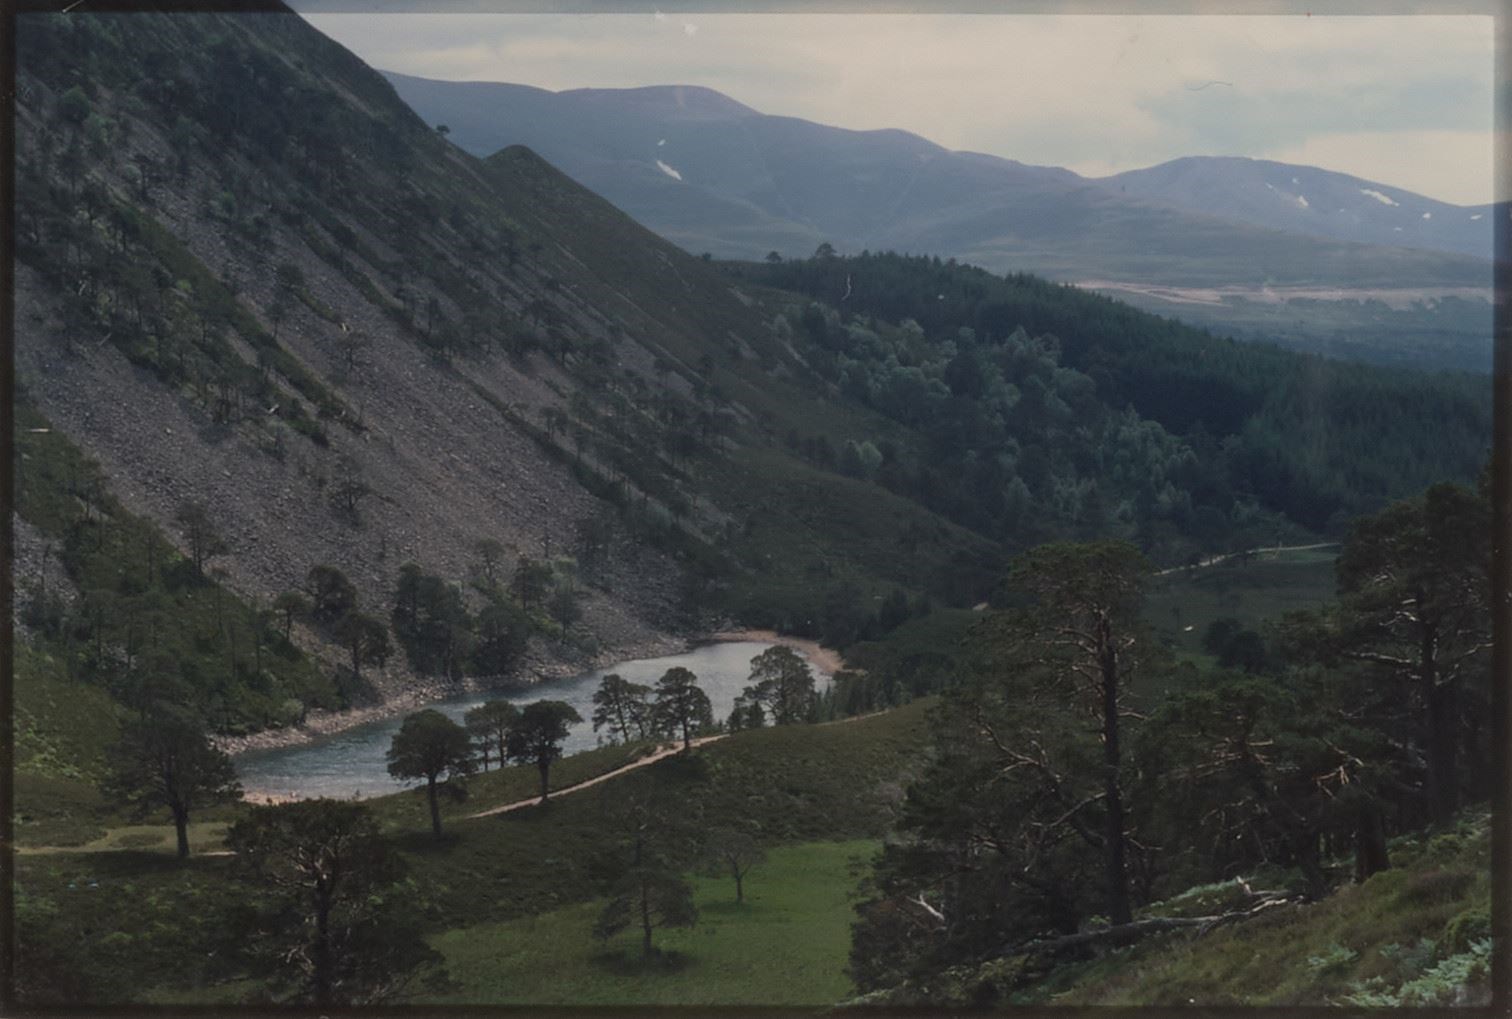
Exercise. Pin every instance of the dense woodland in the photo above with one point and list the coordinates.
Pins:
(1112, 418)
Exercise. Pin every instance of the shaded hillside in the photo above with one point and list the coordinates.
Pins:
(250, 279)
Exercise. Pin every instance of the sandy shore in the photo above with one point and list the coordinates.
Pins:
(825, 659)
(418, 694)
(321, 723)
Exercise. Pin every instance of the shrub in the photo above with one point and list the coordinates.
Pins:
(1464, 930)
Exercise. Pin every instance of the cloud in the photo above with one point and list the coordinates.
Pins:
(1074, 90)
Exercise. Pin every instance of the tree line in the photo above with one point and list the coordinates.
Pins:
(1080, 772)
(970, 358)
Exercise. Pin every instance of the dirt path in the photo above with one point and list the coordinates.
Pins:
(102, 844)
(1215, 560)
(666, 751)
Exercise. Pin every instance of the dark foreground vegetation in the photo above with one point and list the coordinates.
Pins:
(1079, 774)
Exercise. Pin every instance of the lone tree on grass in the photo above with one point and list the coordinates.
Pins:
(490, 724)
(337, 933)
(681, 705)
(429, 745)
(537, 737)
(165, 760)
(649, 891)
(732, 851)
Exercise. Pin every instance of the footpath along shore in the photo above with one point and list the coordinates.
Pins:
(825, 660)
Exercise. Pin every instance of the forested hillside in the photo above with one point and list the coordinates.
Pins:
(1022, 383)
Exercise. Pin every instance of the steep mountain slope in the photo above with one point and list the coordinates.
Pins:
(349, 343)
(711, 174)
(249, 278)
(1305, 199)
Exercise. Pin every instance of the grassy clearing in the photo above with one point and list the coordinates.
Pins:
(1408, 935)
(204, 837)
(1180, 606)
(787, 944)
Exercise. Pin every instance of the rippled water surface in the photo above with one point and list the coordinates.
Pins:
(352, 763)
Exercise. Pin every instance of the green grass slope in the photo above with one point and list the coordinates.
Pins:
(787, 944)
(796, 783)
(105, 904)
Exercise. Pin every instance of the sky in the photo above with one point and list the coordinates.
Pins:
(1403, 100)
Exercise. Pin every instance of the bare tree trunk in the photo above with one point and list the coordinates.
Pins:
(322, 960)
(435, 808)
(645, 909)
(1370, 841)
(1115, 870)
(181, 827)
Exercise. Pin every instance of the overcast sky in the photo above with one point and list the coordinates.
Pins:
(1402, 100)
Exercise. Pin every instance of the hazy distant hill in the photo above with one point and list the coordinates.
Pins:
(714, 175)
(1308, 200)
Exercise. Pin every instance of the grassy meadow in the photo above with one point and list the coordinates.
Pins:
(786, 944)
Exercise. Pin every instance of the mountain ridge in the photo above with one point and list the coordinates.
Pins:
(482, 130)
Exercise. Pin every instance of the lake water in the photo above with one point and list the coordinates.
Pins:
(352, 763)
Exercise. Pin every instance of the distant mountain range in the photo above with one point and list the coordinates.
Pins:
(1308, 200)
(716, 176)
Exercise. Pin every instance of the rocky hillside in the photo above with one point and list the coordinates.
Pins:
(315, 317)
(305, 285)
(251, 280)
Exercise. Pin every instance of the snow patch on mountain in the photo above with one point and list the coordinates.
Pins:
(1383, 199)
(664, 168)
